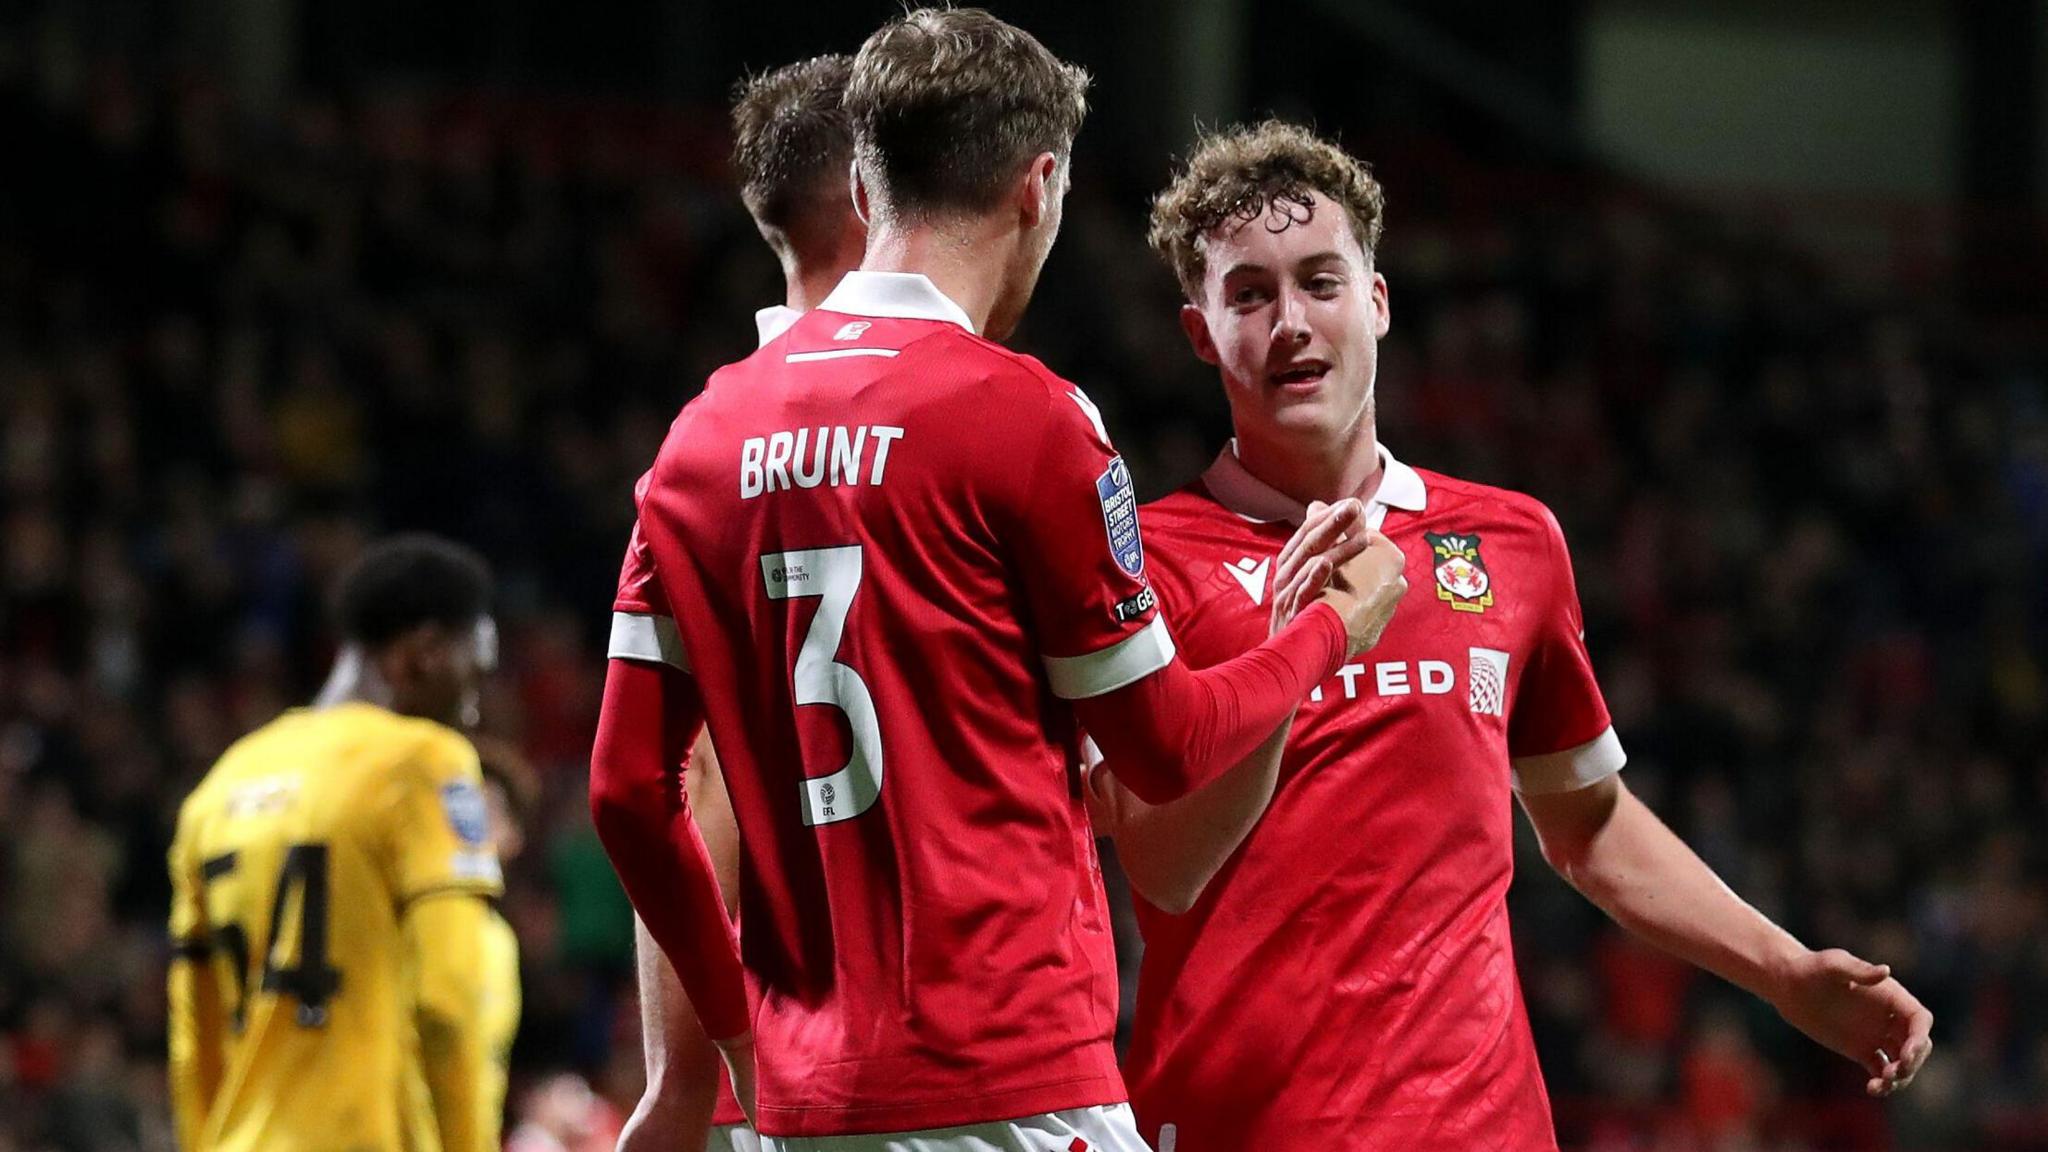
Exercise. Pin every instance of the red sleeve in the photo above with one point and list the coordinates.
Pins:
(1559, 732)
(1079, 556)
(1163, 729)
(649, 720)
(1168, 734)
(639, 588)
(643, 624)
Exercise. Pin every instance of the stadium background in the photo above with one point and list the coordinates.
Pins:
(1753, 300)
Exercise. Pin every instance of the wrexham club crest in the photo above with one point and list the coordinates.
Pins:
(1461, 579)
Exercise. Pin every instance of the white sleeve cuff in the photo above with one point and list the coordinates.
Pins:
(1127, 661)
(652, 639)
(1571, 769)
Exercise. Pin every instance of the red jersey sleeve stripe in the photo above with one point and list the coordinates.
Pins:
(1123, 663)
(1571, 769)
(647, 638)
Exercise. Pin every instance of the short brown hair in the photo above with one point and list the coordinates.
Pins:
(947, 102)
(1240, 173)
(791, 138)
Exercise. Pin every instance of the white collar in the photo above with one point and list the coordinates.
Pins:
(1255, 500)
(774, 320)
(900, 295)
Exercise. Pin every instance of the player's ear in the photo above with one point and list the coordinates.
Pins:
(1196, 324)
(1041, 190)
(1382, 308)
(853, 228)
(860, 193)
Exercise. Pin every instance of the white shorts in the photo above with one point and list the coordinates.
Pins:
(732, 1138)
(1103, 1128)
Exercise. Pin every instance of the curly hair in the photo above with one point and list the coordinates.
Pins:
(1268, 171)
(408, 580)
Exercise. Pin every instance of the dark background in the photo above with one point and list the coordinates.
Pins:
(1751, 298)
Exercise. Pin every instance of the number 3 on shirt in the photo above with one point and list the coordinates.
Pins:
(832, 575)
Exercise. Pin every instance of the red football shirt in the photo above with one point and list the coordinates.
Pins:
(928, 539)
(1347, 980)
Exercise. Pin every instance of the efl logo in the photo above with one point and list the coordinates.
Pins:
(1120, 517)
(1488, 675)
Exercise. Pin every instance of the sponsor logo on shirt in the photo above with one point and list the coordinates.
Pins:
(1488, 675)
(1251, 577)
(464, 804)
(852, 330)
(1120, 517)
(1392, 678)
(1486, 679)
(1461, 577)
(1136, 606)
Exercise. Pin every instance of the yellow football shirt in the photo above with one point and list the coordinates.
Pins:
(292, 867)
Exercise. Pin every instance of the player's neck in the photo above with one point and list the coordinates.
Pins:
(806, 281)
(969, 267)
(803, 290)
(355, 680)
(1310, 470)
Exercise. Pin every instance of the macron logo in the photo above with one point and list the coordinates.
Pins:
(1250, 577)
(852, 331)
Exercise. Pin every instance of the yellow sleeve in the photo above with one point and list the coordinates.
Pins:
(196, 1012)
(439, 825)
(441, 863)
(501, 1016)
(444, 937)
(420, 1133)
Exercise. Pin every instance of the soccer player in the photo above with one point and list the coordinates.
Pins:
(329, 879)
(1337, 973)
(791, 148)
(892, 561)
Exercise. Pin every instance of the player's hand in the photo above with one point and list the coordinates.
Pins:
(660, 1124)
(1857, 1010)
(1330, 534)
(739, 1061)
(1366, 589)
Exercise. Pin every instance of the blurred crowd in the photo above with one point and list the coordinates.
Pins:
(1809, 513)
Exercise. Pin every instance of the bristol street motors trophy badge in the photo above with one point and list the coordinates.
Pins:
(1461, 579)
